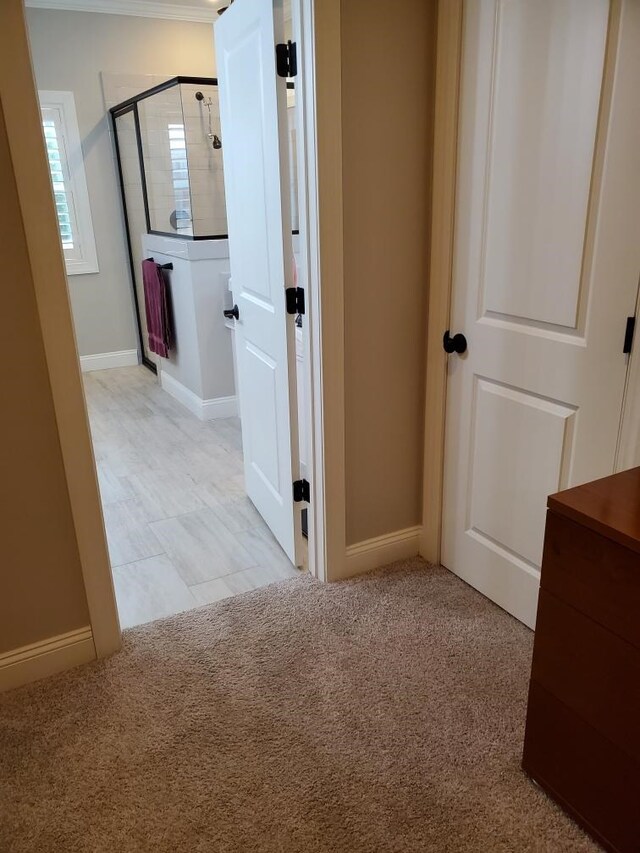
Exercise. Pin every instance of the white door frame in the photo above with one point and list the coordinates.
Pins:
(445, 150)
(317, 28)
(24, 131)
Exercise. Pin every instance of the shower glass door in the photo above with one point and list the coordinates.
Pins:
(132, 185)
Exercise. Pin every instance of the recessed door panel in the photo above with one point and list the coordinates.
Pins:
(519, 442)
(262, 416)
(548, 59)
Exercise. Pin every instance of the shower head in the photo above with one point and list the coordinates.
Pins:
(215, 140)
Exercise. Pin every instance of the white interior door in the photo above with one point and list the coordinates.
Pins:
(253, 115)
(546, 263)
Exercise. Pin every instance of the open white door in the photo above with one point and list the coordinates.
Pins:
(546, 269)
(253, 115)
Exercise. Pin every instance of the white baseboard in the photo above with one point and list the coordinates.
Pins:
(221, 407)
(382, 550)
(46, 657)
(206, 410)
(107, 360)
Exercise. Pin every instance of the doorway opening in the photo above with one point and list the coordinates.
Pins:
(182, 527)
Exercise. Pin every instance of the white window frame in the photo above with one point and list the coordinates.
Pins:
(83, 259)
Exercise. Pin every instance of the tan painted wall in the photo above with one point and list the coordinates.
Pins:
(41, 586)
(388, 63)
(69, 50)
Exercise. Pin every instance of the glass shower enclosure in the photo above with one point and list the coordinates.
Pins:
(168, 147)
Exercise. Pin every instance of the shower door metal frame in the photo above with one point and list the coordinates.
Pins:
(131, 106)
(116, 113)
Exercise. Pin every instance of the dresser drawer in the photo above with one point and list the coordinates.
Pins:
(593, 780)
(594, 574)
(592, 671)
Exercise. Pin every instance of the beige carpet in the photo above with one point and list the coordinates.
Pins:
(382, 714)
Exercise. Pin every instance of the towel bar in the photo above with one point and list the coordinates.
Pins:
(168, 266)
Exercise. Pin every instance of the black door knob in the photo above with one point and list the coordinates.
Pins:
(457, 343)
(232, 313)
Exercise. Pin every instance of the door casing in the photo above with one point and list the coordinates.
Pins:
(445, 148)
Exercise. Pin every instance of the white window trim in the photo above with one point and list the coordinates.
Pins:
(64, 103)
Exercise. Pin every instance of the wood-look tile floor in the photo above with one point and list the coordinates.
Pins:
(181, 530)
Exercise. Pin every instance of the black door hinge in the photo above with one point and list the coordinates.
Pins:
(287, 59)
(628, 334)
(295, 300)
(301, 491)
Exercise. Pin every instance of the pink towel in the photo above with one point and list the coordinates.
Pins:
(156, 303)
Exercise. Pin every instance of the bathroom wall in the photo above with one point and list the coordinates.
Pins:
(388, 58)
(69, 51)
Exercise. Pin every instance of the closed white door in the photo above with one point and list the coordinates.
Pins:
(546, 264)
(253, 115)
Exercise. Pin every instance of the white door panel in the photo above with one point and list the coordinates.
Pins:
(546, 263)
(545, 96)
(256, 172)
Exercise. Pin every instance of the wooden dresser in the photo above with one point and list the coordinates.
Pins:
(582, 741)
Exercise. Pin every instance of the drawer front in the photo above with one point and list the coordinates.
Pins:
(589, 777)
(593, 574)
(592, 671)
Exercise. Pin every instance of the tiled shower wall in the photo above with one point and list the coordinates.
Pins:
(208, 205)
(173, 118)
(183, 170)
(162, 133)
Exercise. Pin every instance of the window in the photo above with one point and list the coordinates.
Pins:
(68, 181)
(180, 176)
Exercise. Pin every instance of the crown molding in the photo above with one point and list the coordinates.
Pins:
(138, 8)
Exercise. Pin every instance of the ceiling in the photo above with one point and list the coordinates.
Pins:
(185, 10)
